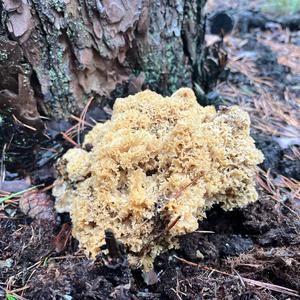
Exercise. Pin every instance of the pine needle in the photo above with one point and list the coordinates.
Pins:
(269, 286)
(13, 195)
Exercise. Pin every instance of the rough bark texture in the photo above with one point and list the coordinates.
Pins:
(55, 54)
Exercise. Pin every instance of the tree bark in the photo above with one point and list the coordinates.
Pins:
(56, 54)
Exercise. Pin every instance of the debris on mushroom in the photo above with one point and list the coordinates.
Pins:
(153, 170)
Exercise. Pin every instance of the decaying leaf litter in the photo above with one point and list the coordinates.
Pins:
(251, 252)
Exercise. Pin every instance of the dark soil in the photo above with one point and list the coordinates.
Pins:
(260, 242)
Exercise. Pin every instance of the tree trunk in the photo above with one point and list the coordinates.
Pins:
(56, 54)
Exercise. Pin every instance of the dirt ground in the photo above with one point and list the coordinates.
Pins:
(249, 253)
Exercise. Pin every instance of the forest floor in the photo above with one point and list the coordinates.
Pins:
(249, 253)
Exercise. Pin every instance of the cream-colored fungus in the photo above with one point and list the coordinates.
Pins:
(158, 158)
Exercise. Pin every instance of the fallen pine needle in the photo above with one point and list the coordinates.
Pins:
(21, 123)
(81, 121)
(67, 138)
(65, 257)
(286, 206)
(269, 286)
(3, 199)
